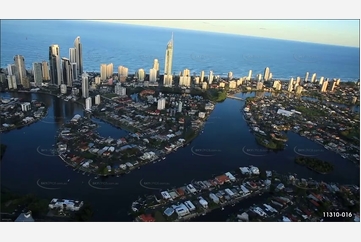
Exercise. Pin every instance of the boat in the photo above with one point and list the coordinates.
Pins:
(68, 180)
(95, 177)
(163, 158)
(222, 208)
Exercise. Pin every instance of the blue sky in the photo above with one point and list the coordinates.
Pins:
(334, 32)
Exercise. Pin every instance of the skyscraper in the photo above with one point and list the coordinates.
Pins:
(169, 58)
(249, 75)
(230, 76)
(11, 68)
(153, 75)
(72, 55)
(74, 70)
(156, 66)
(67, 72)
(202, 77)
(85, 85)
(168, 80)
(140, 74)
(38, 73)
(78, 55)
(45, 69)
(210, 78)
(110, 70)
(21, 71)
(313, 78)
(306, 77)
(324, 86)
(55, 65)
(266, 74)
(103, 72)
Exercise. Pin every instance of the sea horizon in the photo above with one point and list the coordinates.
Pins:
(124, 44)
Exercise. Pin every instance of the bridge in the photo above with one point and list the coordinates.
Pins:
(236, 98)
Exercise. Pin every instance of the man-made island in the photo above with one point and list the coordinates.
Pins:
(315, 164)
(15, 113)
(333, 126)
(286, 198)
(158, 125)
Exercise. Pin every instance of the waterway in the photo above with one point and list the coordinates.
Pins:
(30, 165)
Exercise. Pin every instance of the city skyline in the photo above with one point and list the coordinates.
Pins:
(330, 32)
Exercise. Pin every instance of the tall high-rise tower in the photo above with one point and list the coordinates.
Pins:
(266, 74)
(168, 63)
(45, 69)
(38, 73)
(78, 55)
(169, 58)
(20, 72)
(67, 72)
(55, 65)
(85, 85)
(156, 66)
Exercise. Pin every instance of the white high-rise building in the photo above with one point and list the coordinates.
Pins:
(185, 78)
(140, 74)
(11, 68)
(266, 74)
(156, 66)
(230, 75)
(313, 78)
(97, 99)
(38, 73)
(78, 55)
(88, 103)
(85, 85)
(306, 77)
(169, 58)
(72, 55)
(153, 73)
(12, 82)
(249, 77)
(202, 76)
(232, 84)
(210, 78)
(321, 80)
(161, 104)
(290, 85)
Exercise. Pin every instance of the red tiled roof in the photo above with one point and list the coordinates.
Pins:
(222, 178)
(147, 218)
(180, 191)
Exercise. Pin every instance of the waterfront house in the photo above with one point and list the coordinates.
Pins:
(190, 205)
(214, 198)
(180, 191)
(222, 179)
(245, 170)
(230, 176)
(203, 202)
(166, 195)
(181, 210)
(229, 192)
(191, 188)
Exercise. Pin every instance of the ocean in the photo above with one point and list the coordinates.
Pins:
(137, 46)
